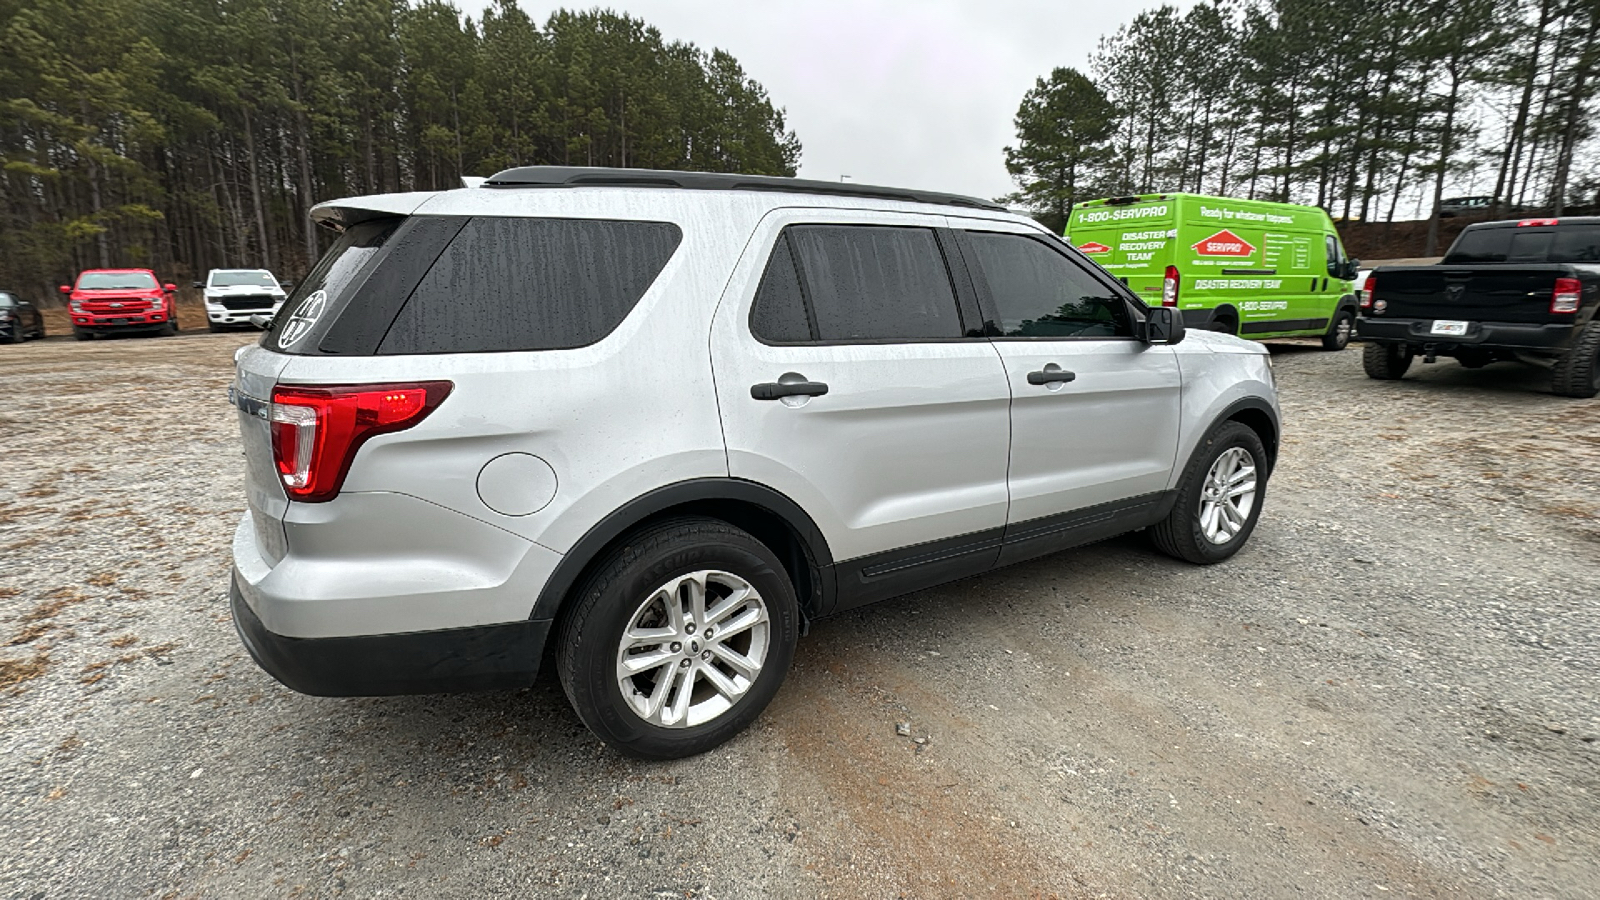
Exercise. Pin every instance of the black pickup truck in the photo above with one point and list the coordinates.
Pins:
(1505, 290)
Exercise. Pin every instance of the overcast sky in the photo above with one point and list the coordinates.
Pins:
(911, 93)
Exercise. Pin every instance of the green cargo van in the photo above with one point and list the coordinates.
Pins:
(1247, 267)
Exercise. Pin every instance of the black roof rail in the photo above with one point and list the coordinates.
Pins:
(580, 176)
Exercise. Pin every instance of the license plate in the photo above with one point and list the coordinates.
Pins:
(1449, 326)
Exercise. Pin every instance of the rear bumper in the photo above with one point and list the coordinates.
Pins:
(483, 657)
(1486, 335)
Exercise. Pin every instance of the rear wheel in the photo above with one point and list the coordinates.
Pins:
(1224, 325)
(679, 638)
(1338, 336)
(1386, 362)
(1219, 498)
(1577, 372)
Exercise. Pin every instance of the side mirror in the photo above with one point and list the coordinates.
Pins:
(169, 287)
(1162, 325)
(287, 286)
(199, 285)
(1352, 269)
(66, 289)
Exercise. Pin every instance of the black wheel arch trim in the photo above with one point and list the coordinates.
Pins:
(1258, 405)
(698, 490)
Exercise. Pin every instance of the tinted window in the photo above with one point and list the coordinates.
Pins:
(779, 313)
(876, 283)
(1568, 243)
(531, 284)
(334, 278)
(1038, 292)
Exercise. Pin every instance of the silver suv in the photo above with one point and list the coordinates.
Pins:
(659, 421)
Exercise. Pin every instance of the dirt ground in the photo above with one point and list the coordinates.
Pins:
(1391, 692)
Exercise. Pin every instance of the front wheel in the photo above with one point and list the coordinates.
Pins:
(1219, 498)
(679, 639)
(1386, 362)
(80, 334)
(1338, 336)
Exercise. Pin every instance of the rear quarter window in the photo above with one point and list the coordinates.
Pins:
(509, 284)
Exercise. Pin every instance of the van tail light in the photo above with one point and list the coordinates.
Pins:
(1169, 287)
(1566, 295)
(1364, 296)
(317, 430)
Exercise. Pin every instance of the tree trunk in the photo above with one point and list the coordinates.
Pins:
(1569, 131)
(1505, 182)
(255, 190)
(1454, 68)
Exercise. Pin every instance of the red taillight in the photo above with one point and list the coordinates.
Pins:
(1365, 294)
(316, 431)
(1169, 287)
(1527, 222)
(1565, 298)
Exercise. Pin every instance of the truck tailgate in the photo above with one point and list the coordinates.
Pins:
(1511, 294)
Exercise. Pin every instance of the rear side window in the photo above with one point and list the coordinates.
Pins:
(507, 284)
(872, 283)
(1564, 244)
(1038, 292)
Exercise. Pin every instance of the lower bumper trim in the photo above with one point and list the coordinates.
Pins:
(485, 657)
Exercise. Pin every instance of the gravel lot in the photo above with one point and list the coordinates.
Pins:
(1391, 692)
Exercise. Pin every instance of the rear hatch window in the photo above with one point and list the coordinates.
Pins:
(1557, 244)
(317, 301)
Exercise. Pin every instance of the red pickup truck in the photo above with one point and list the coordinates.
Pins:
(108, 300)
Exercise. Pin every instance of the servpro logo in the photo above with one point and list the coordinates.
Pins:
(1093, 247)
(1224, 243)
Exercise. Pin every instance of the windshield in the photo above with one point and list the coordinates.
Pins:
(5, 300)
(1563, 244)
(246, 279)
(116, 281)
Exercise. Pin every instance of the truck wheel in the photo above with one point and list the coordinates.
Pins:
(1386, 362)
(80, 334)
(213, 327)
(1219, 499)
(1338, 336)
(679, 638)
(1577, 373)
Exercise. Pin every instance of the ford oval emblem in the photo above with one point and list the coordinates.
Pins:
(305, 316)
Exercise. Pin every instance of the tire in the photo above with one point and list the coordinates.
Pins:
(171, 327)
(1223, 325)
(1339, 331)
(213, 327)
(15, 335)
(1191, 531)
(1386, 362)
(630, 585)
(1577, 372)
(80, 334)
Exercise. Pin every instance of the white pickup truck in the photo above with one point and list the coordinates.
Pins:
(234, 295)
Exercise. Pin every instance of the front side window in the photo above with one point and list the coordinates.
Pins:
(1335, 258)
(1040, 293)
(507, 284)
(116, 281)
(875, 283)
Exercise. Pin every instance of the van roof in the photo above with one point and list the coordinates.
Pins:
(1131, 199)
